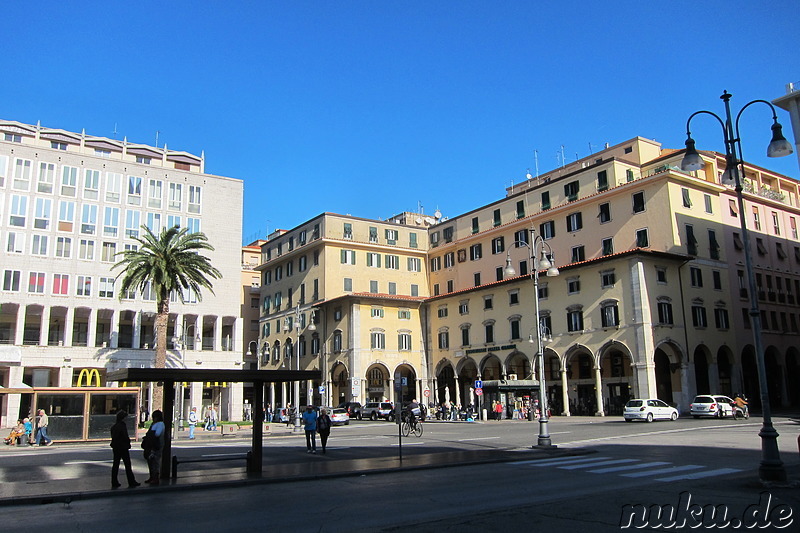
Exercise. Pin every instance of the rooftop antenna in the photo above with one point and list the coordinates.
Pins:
(563, 159)
(115, 130)
(420, 208)
(158, 131)
(536, 159)
(590, 149)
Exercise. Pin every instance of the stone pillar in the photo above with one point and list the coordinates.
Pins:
(137, 330)
(598, 392)
(459, 394)
(44, 327)
(19, 334)
(565, 392)
(91, 333)
(65, 376)
(713, 376)
(218, 334)
(198, 333)
(8, 417)
(272, 396)
(69, 319)
(114, 333)
(236, 401)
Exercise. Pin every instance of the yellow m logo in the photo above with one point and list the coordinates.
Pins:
(90, 374)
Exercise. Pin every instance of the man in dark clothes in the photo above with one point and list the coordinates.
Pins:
(120, 444)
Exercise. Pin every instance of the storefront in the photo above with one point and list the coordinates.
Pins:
(520, 398)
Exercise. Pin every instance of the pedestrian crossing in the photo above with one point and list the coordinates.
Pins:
(628, 468)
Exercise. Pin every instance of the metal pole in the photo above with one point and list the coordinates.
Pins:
(544, 435)
(297, 428)
(771, 467)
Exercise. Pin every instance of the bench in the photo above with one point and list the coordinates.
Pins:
(247, 457)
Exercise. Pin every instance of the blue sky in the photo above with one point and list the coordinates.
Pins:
(373, 108)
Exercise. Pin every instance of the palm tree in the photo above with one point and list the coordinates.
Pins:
(170, 262)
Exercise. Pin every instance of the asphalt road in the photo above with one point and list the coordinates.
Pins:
(712, 461)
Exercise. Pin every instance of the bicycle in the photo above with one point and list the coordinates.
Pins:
(411, 427)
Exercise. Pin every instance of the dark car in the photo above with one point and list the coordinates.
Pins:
(353, 409)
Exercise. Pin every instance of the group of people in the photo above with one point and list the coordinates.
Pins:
(152, 445)
(22, 434)
(314, 423)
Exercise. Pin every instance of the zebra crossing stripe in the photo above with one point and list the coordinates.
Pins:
(663, 471)
(629, 467)
(556, 461)
(601, 463)
(700, 475)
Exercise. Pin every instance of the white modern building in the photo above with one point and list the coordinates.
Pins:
(68, 203)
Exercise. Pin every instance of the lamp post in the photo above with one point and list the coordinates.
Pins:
(771, 467)
(181, 342)
(297, 328)
(543, 263)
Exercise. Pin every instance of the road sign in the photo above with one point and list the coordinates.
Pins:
(321, 389)
(479, 392)
(426, 393)
(478, 384)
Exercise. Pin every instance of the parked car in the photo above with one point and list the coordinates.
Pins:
(376, 410)
(711, 405)
(649, 409)
(339, 416)
(353, 409)
(280, 415)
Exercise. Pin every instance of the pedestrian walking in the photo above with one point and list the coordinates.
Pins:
(41, 430)
(121, 445)
(153, 443)
(214, 418)
(289, 414)
(498, 410)
(324, 427)
(310, 425)
(192, 421)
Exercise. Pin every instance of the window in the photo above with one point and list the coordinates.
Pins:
(721, 318)
(373, 260)
(373, 286)
(573, 285)
(373, 234)
(11, 280)
(607, 279)
(513, 297)
(414, 289)
(665, 313)
(465, 335)
(91, 184)
(514, 322)
(109, 252)
(39, 244)
(475, 227)
(609, 314)
(578, 254)
(64, 247)
(376, 312)
(19, 211)
(449, 260)
(84, 286)
(661, 275)
(574, 320)
(638, 202)
(36, 282)
(793, 226)
(392, 287)
(520, 238)
(442, 312)
(709, 206)
(15, 242)
(602, 181)
(89, 219)
(348, 257)
(463, 307)
(436, 289)
(444, 340)
(756, 218)
(547, 230)
(475, 252)
(476, 278)
(776, 225)
(46, 180)
(545, 200)
(498, 245)
(174, 200)
(337, 341)
(574, 222)
(487, 302)
(642, 240)
(86, 250)
(717, 280)
(10, 137)
(195, 197)
(106, 289)
(404, 314)
(111, 222)
(488, 329)
(571, 191)
(134, 190)
(113, 187)
(22, 174)
(404, 342)
(4, 171)
(66, 215)
(392, 262)
(544, 291)
(155, 194)
(496, 217)
(696, 276)
(61, 284)
(713, 245)
(687, 201)
(699, 316)
(520, 209)
(760, 248)
(691, 241)
(608, 246)
(41, 213)
(391, 236)
(348, 285)
(605, 213)
(193, 225)
(154, 222)
(414, 264)
(143, 160)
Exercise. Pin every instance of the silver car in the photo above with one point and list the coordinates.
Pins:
(649, 409)
(711, 405)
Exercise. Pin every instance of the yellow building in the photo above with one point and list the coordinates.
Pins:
(647, 303)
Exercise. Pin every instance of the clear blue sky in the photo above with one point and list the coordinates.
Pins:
(371, 108)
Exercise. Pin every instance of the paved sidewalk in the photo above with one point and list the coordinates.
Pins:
(277, 468)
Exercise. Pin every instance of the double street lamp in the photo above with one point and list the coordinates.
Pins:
(537, 246)
(771, 467)
(287, 326)
(181, 342)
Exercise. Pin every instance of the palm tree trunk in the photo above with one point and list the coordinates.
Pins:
(162, 320)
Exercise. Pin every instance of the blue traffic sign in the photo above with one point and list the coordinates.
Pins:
(478, 384)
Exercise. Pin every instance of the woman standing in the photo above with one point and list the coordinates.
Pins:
(120, 445)
(324, 427)
(155, 438)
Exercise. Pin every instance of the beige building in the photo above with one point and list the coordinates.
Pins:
(647, 302)
(68, 203)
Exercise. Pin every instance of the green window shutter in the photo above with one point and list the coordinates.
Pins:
(344, 257)
(545, 200)
(378, 260)
(520, 209)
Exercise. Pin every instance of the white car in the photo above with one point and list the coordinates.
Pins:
(339, 416)
(649, 409)
(711, 405)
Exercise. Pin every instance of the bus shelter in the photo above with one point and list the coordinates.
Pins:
(170, 376)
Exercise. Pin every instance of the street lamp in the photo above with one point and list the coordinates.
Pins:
(181, 342)
(544, 263)
(297, 327)
(771, 467)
